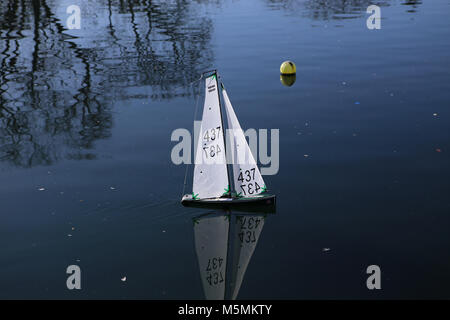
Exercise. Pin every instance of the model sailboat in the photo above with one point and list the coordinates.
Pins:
(212, 184)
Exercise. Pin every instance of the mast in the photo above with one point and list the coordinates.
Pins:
(230, 258)
(223, 135)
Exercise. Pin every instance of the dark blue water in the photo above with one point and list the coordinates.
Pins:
(86, 118)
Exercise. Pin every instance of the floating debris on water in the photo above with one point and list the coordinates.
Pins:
(435, 114)
(306, 155)
(41, 189)
(69, 235)
(326, 249)
(438, 150)
(123, 279)
(112, 188)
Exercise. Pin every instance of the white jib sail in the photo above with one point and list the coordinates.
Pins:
(210, 171)
(211, 246)
(248, 181)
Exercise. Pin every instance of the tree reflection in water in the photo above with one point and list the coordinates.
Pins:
(56, 90)
(331, 9)
(334, 9)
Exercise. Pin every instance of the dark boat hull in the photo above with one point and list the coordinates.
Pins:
(263, 203)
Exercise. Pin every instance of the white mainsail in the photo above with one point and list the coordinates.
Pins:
(210, 172)
(211, 245)
(246, 235)
(247, 179)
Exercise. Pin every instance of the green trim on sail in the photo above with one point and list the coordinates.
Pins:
(194, 196)
(227, 190)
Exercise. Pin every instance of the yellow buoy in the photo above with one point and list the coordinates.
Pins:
(287, 67)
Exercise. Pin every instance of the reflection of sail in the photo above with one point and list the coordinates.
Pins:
(224, 244)
(211, 245)
(246, 234)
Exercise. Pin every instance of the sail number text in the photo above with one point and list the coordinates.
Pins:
(248, 184)
(211, 135)
(248, 226)
(214, 273)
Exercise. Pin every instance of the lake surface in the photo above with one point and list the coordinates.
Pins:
(86, 118)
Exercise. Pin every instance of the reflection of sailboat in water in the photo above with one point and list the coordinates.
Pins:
(225, 243)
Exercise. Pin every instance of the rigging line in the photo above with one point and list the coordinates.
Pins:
(193, 130)
(201, 77)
